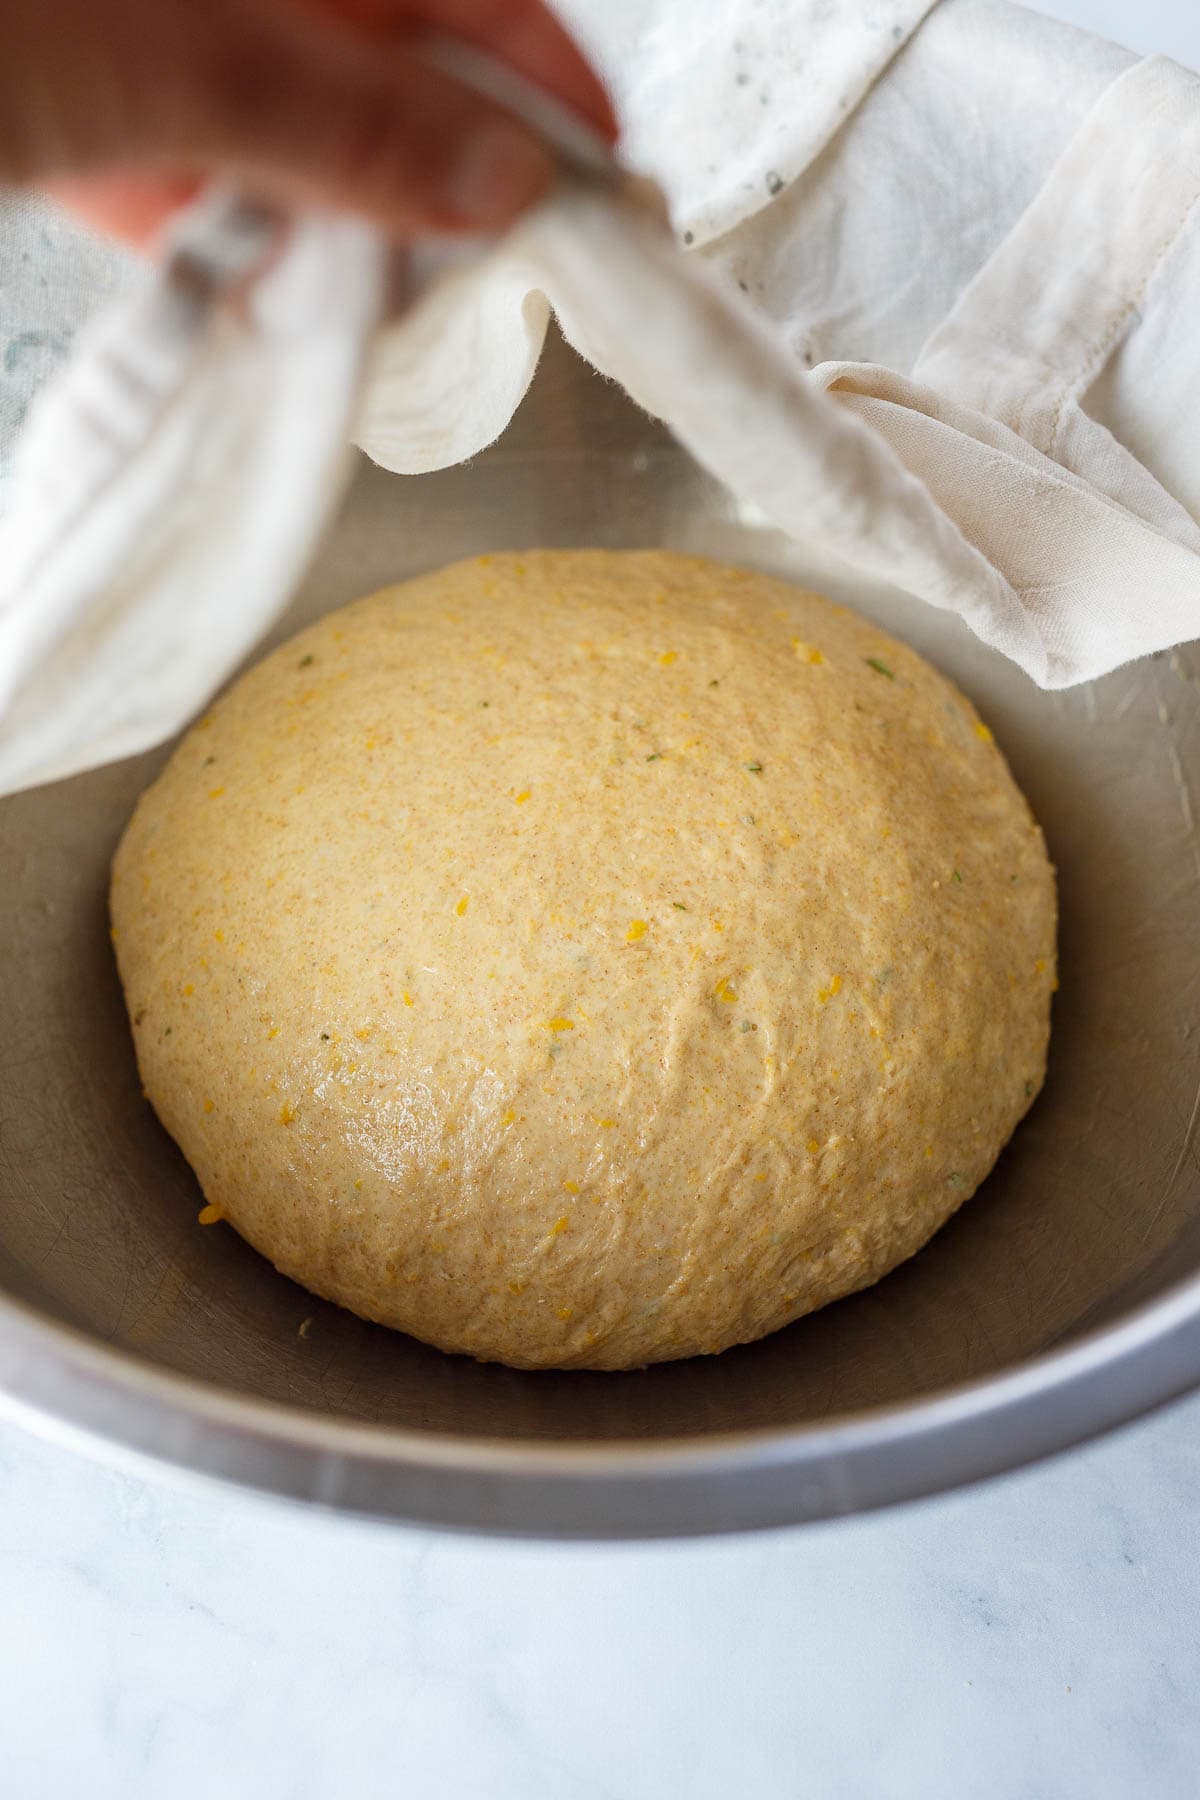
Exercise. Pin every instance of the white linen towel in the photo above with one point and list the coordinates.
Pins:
(967, 241)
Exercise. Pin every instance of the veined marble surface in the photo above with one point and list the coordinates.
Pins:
(1034, 1639)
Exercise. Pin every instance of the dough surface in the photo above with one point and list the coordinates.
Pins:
(583, 958)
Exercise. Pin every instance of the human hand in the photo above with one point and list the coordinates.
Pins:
(122, 108)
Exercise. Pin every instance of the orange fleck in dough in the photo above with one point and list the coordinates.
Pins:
(807, 652)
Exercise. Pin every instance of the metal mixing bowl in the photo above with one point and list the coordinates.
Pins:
(1063, 1299)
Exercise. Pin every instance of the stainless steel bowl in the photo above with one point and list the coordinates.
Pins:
(1064, 1299)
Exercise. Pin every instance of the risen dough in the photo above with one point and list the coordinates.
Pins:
(582, 959)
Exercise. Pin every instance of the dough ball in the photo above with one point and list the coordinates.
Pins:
(582, 959)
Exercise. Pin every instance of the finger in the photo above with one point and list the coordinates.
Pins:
(521, 32)
(134, 207)
(303, 109)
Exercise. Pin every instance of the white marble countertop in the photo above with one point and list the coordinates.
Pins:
(1034, 1639)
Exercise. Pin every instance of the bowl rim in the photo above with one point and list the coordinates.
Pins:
(61, 1383)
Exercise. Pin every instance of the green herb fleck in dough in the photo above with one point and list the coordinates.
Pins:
(880, 668)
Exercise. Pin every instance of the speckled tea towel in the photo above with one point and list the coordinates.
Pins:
(969, 243)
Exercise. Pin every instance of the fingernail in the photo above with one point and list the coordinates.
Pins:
(498, 172)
